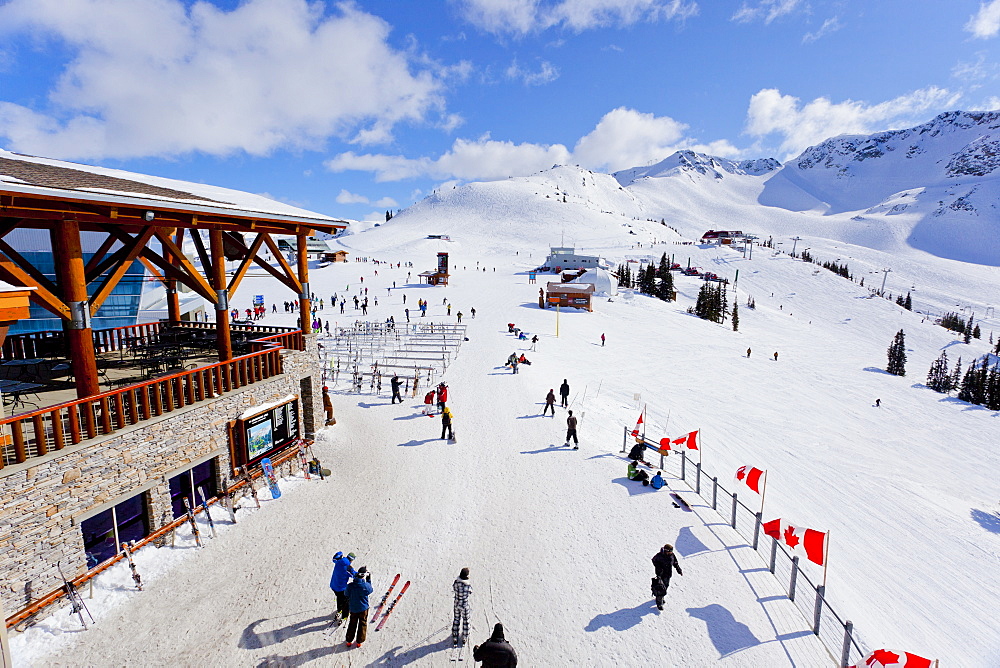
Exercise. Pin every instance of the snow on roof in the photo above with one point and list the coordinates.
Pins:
(34, 175)
(260, 408)
(604, 283)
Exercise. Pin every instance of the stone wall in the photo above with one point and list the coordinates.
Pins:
(43, 500)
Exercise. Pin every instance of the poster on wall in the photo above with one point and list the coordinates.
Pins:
(262, 431)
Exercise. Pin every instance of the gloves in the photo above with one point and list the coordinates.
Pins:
(368, 578)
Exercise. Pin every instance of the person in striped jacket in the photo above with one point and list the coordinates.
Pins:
(462, 592)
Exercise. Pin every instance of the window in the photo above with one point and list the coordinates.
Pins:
(105, 532)
(186, 484)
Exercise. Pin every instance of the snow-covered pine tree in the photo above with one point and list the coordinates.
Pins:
(939, 376)
(976, 332)
(908, 304)
(972, 389)
(897, 355)
(736, 317)
(956, 375)
(968, 330)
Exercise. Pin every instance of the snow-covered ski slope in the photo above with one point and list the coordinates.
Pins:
(557, 540)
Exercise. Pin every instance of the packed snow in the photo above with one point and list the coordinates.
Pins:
(558, 540)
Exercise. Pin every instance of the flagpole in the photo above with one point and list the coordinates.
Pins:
(826, 560)
(644, 423)
(762, 493)
(701, 444)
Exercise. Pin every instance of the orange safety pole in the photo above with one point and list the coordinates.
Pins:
(72, 283)
(223, 339)
(305, 315)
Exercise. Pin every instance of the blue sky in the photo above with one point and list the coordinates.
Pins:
(352, 108)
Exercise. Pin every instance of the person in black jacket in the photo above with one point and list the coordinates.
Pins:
(665, 561)
(495, 652)
(564, 393)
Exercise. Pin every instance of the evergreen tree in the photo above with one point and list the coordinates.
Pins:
(897, 355)
(976, 332)
(736, 317)
(939, 376)
(388, 216)
(908, 304)
(968, 330)
(973, 389)
(956, 376)
(993, 389)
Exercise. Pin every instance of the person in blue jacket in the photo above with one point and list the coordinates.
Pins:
(342, 574)
(657, 482)
(357, 593)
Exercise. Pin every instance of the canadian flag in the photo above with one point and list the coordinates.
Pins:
(893, 659)
(635, 432)
(797, 538)
(690, 439)
(750, 476)
(665, 443)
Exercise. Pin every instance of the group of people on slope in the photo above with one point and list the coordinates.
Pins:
(495, 652)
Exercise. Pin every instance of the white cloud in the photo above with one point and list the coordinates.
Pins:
(832, 24)
(622, 138)
(802, 125)
(991, 103)
(547, 73)
(978, 71)
(166, 77)
(520, 17)
(386, 202)
(347, 197)
(768, 10)
(986, 22)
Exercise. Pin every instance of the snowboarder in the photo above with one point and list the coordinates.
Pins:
(564, 393)
(523, 360)
(748, 353)
(550, 403)
(602, 340)
(664, 562)
(659, 590)
(357, 594)
(342, 573)
(637, 474)
(495, 652)
(473, 312)
(658, 482)
(512, 362)
(446, 423)
(395, 383)
(571, 431)
(462, 590)
(638, 451)
(878, 403)
(776, 356)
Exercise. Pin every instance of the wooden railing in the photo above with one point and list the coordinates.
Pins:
(38, 432)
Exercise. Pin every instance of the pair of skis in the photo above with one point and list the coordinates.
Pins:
(392, 606)
(76, 601)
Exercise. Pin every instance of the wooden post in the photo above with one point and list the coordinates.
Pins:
(222, 337)
(302, 256)
(73, 288)
(173, 299)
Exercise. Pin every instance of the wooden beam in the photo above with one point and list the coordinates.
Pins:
(13, 274)
(181, 258)
(223, 339)
(295, 284)
(98, 256)
(112, 279)
(196, 283)
(173, 299)
(199, 245)
(151, 268)
(290, 283)
(29, 269)
(248, 259)
(73, 288)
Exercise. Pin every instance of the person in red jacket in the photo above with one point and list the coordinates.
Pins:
(429, 403)
(442, 391)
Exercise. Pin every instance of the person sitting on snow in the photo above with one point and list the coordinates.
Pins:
(657, 482)
(637, 474)
(638, 451)
(510, 327)
(522, 337)
(523, 360)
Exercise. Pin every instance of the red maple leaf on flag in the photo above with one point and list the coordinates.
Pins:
(741, 473)
(790, 538)
(884, 658)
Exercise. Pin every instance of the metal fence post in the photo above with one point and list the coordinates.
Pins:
(818, 614)
(733, 522)
(795, 575)
(756, 530)
(774, 554)
(661, 460)
(683, 463)
(624, 438)
(845, 656)
(715, 492)
(697, 478)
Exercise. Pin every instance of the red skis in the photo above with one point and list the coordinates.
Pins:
(388, 612)
(378, 608)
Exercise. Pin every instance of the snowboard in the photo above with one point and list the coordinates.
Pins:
(680, 502)
(272, 481)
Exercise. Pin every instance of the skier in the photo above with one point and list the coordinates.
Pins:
(659, 590)
(429, 403)
(602, 340)
(473, 312)
(878, 403)
(407, 311)
(462, 590)
(357, 594)
(571, 431)
(342, 573)
(534, 342)
(495, 652)
(442, 392)
(396, 382)
(446, 423)
(550, 403)
(664, 562)
(748, 353)
(657, 482)
(637, 474)
(776, 356)
(564, 393)
(459, 317)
